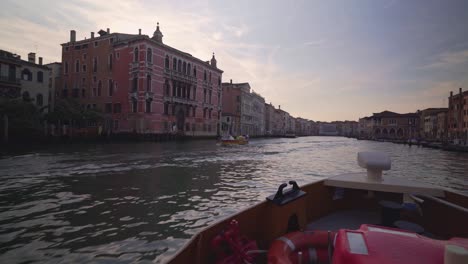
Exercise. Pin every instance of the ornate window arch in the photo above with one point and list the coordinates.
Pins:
(166, 62)
(149, 55)
(135, 55)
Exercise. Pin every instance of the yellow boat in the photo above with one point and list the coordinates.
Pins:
(233, 142)
(240, 140)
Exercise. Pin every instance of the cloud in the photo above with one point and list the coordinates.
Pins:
(313, 43)
(448, 59)
(238, 31)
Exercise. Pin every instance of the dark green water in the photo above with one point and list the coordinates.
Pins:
(124, 203)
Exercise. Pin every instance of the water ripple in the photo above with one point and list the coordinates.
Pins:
(126, 203)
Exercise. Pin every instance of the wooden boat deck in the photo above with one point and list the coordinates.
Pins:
(346, 219)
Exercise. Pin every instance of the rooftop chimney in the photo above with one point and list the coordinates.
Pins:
(108, 30)
(231, 81)
(92, 35)
(451, 93)
(40, 60)
(279, 106)
(32, 57)
(460, 89)
(139, 31)
(72, 35)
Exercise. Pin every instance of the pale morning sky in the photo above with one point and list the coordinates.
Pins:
(322, 60)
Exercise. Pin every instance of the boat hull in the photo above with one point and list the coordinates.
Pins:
(234, 142)
(265, 221)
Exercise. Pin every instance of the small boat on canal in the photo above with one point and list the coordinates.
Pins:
(240, 140)
(357, 218)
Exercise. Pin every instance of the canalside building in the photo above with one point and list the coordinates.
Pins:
(457, 116)
(429, 123)
(142, 85)
(35, 82)
(391, 125)
(243, 110)
(10, 75)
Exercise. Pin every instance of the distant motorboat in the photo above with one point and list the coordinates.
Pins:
(240, 140)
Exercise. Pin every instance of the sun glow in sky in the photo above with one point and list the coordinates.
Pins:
(321, 60)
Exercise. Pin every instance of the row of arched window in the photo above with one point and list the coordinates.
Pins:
(180, 90)
(180, 66)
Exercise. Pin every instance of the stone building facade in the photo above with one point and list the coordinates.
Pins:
(457, 116)
(142, 84)
(442, 126)
(246, 108)
(10, 75)
(365, 127)
(429, 123)
(390, 125)
(231, 111)
(55, 82)
(35, 82)
(269, 119)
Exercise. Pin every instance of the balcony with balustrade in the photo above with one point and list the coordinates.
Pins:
(180, 100)
(179, 76)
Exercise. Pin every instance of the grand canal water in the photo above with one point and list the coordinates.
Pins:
(125, 203)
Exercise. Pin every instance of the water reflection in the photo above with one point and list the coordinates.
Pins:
(140, 202)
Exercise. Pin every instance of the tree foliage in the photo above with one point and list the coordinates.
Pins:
(70, 110)
(24, 119)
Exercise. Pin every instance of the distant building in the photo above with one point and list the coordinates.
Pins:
(291, 129)
(55, 82)
(258, 114)
(442, 126)
(457, 116)
(249, 107)
(365, 127)
(142, 85)
(35, 82)
(391, 125)
(328, 129)
(269, 119)
(314, 128)
(231, 111)
(282, 123)
(349, 129)
(465, 115)
(429, 123)
(302, 127)
(10, 75)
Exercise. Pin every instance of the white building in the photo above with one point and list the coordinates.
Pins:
(35, 82)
